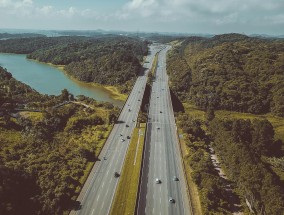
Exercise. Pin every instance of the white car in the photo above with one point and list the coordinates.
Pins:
(122, 140)
(158, 181)
(175, 178)
(171, 200)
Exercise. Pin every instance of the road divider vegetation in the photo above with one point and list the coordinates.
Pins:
(127, 190)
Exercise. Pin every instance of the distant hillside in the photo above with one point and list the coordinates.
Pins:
(24, 35)
(231, 71)
(112, 60)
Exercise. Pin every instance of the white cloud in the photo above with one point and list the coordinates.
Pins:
(180, 15)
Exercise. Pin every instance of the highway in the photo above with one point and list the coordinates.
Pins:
(98, 192)
(162, 158)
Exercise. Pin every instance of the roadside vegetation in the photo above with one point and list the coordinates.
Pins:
(231, 89)
(47, 151)
(127, 191)
(252, 164)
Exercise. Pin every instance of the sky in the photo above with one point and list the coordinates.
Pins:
(180, 16)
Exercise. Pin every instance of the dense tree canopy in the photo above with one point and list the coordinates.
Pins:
(240, 144)
(232, 72)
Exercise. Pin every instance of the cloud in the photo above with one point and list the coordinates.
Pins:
(161, 15)
(217, 11)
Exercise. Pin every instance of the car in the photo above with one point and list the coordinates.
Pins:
(122, 140)
(129, 110)
(171, 200)
(128, 137)
(126, 125)
(157, 97)
(161, 112)
(104, 158)
(158, 127)
(121, 135)
(116, 174)
(175, 178)
(139, 100)
(158, 181)
(133, 120)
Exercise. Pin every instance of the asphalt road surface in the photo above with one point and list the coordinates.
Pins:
(162, 158)
(98, 192)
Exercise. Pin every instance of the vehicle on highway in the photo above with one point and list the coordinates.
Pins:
(158, 127)
(171, 200)
(121, 135)
(158, 181)
(175, 178)
(116, 174)
(129, 110)
(161, 112)
(128, 137)
(126, 125)
(122, 140)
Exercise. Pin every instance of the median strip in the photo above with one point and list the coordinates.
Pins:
(125, 197)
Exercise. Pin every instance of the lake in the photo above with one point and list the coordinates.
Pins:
(50, 80)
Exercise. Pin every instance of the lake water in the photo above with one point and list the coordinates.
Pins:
(50, 80)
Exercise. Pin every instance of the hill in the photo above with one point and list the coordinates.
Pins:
(230, 72)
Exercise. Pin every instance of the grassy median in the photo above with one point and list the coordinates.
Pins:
(126, 194)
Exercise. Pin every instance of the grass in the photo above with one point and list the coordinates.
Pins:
(154, 65)
(33, 116)
(115, 93)
(126, 194)
(9, 137)
(193, 190)
(92, 136)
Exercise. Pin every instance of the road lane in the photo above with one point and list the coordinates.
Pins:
(162, 156)
(97, 194)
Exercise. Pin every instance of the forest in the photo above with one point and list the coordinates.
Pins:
(232, 93)
(46, 153)
(110, 60)
(230, 72)
(248, 152)
(241, 145)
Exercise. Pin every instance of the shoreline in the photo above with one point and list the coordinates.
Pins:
(112, 90)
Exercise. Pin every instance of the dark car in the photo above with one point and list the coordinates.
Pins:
(116, 174)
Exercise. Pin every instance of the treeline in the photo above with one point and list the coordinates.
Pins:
(241, 144)
(232, 72)
(44, 155)
(23, 35)
(109, 60)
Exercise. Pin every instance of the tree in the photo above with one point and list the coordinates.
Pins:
(262, 136)
(210, 115)
(64, 95)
